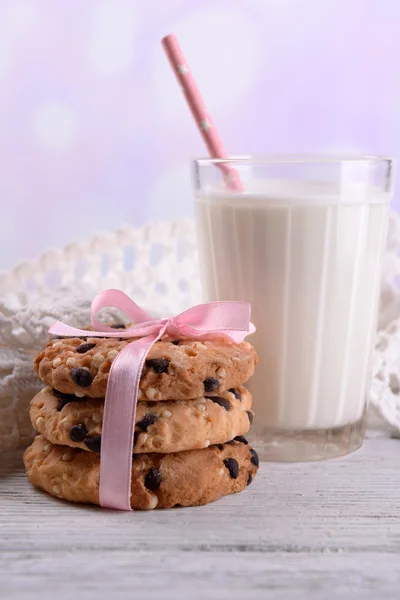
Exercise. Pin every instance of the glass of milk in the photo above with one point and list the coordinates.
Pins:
(303, 243)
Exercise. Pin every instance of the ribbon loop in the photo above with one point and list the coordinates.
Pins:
(229, 319)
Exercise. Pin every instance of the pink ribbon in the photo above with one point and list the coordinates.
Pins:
(205, 321)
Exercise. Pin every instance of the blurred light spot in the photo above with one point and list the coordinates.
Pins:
(220, 46)
(20, 17)
(5, 57)
(171, 196)
(55, 126)
(112, 37)
(273, 4)
(158, 9)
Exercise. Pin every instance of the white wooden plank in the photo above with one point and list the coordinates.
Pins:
(329, 529)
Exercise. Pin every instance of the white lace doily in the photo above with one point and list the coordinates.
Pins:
(157, 266)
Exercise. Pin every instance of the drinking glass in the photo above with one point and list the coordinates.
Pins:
(303, 243)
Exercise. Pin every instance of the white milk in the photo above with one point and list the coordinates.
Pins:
(309, 262)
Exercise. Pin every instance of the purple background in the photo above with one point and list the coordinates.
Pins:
(94, 130)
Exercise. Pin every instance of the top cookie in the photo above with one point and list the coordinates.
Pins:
(174, 369)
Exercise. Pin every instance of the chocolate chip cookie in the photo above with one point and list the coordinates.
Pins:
(168, 426)
(174, 369)
(189, 478)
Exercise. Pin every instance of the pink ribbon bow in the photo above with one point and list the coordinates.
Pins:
(205, 321)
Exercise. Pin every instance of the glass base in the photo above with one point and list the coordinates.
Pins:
(282, 445)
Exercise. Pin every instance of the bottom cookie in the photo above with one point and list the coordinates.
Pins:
(189, 478)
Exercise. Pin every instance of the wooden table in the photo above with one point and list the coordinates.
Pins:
(301, 531)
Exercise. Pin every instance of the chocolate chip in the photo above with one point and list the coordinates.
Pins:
(211, 384)
(250, 415)
(221, 401)
(81, 377)
(249, 478)
(118, 326)
(241, 439)
(153, 479)
(69, 337)
(77, 433)
(85, 348)
(64, 399)
(231, 442)
(233, 467)
(254, 458)
(147, 420)
(62, 403)
(236, 394)
(93, 442)
(159, 365)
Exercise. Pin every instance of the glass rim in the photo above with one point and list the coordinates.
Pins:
(293, 158)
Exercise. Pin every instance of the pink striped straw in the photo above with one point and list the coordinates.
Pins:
(200, 113)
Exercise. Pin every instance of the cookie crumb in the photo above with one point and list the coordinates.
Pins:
(98, 360)
(39, 422)
(151, 393)
(153, 501)
(142, 439)
(200, 346)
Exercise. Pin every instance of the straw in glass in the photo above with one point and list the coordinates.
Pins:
(201, 115)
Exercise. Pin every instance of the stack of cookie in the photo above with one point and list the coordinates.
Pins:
(192, 414)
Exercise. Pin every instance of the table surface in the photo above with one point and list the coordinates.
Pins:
(316, 530)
